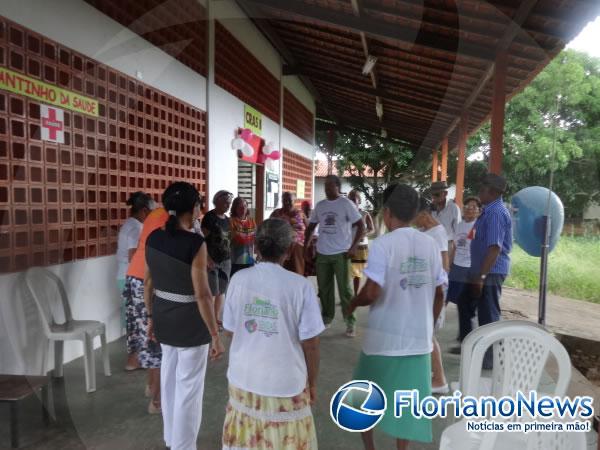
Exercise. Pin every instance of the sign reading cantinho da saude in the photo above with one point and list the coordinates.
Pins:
(46, 93)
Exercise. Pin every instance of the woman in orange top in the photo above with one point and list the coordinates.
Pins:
(143, 353)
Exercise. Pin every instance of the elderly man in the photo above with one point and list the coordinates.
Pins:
(445, 211)
(336, 215)
(490, 248)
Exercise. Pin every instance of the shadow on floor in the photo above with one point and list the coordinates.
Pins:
(114, 417)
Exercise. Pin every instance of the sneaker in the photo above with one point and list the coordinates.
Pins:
(153, 408)
(350, 331)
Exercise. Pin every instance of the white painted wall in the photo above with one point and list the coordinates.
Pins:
(592, 213)
(82, 27)
(91, 283)
(226, 112)
(233, 18)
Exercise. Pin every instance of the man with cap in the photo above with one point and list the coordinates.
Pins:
(445, 211)
(490, 261)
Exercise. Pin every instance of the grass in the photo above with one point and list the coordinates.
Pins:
(573, 269)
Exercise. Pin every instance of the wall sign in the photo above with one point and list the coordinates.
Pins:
(272, 189)
(300, 188)
(252, 120)
(53, 125)
(46, 93)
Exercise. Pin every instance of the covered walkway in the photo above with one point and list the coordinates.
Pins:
(114, 417)
(428, 74)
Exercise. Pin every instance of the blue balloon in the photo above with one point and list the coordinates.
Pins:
(529, 208)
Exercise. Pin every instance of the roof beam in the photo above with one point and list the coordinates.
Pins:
(265, 28)
(525, 9)
(404, 85)
(378, 29)
(474, 24)
(344, 83)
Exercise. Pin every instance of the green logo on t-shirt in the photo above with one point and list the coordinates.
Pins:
(265, 316)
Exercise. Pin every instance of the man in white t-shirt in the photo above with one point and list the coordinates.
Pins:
(446, 211)
(336, 215)
(404, 292)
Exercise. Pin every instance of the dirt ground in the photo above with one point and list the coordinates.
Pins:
(578, 321)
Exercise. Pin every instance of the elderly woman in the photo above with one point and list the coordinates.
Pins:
(215, 228)
(243, 230)
(297, 220)
(404, 291)
(180, 314)
(275, 319)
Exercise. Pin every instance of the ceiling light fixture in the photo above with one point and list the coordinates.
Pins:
(369, 64)
(379, 109)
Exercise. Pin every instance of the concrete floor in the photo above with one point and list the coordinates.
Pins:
(115, 418)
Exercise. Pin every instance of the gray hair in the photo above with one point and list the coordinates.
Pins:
(274, 237)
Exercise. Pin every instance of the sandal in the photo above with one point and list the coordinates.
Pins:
(154, 408)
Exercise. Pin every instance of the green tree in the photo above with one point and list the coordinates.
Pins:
(371, 161)
(566, 94)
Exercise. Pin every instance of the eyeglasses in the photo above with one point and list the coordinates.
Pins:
(471, 208)
(436, 194)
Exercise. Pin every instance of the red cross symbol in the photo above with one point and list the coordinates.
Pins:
(52, 123)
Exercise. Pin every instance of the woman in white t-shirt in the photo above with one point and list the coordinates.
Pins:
(460, 263)
(426, 223)
(404, 291)
(275, 319)
(140, 205)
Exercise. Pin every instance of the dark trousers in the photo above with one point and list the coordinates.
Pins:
(487, 308)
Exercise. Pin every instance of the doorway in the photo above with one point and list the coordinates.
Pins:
(251, 187)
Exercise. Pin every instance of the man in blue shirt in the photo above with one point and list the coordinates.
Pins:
(490, 261)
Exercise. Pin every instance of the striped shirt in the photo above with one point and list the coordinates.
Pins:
(493, 227)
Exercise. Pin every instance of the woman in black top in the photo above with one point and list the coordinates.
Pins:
(180, 314)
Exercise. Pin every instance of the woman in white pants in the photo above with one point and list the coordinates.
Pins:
(181, 316)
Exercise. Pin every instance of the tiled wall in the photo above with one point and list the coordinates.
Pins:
(297, 167)
(239, 72)
(63, 202)
(297, 118)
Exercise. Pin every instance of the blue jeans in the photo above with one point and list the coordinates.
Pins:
(487, 307)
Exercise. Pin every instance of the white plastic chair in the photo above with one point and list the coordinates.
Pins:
(521, 350)
(485, 385)
(50, 297)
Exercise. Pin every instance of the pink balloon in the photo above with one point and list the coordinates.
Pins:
(246, 134)
(274, 155)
